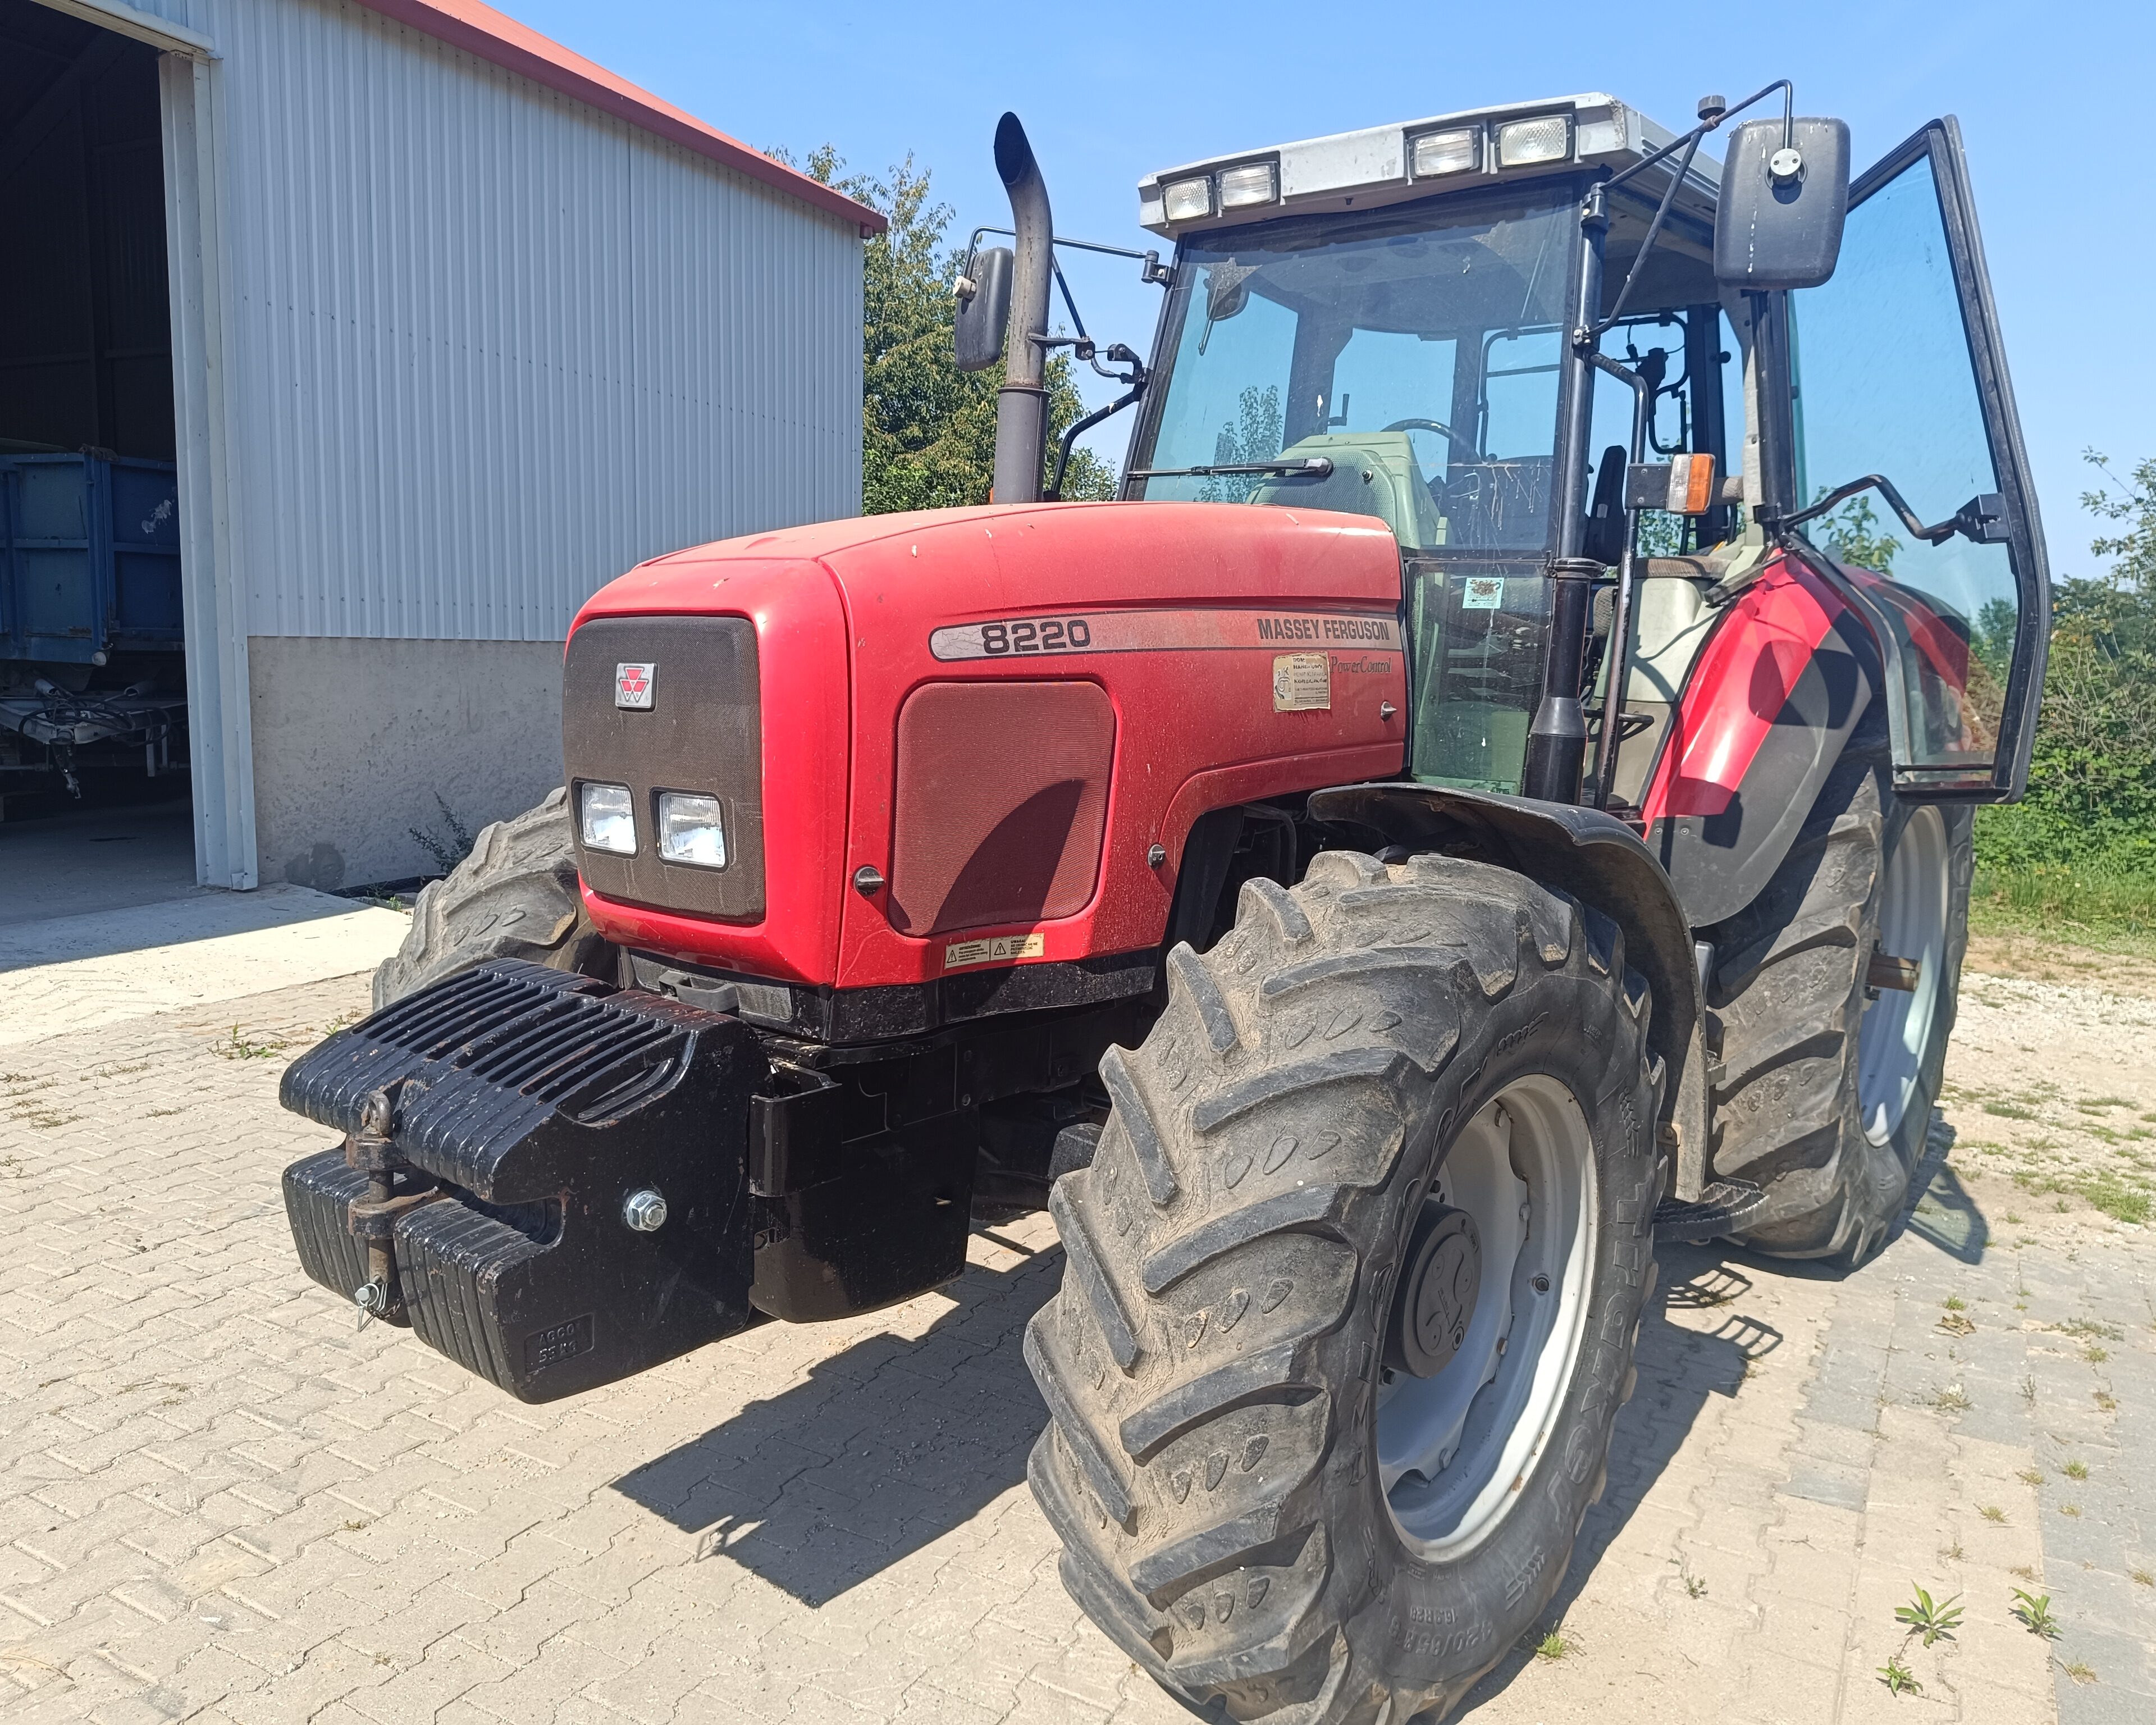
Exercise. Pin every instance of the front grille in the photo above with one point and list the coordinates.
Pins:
(702, 733)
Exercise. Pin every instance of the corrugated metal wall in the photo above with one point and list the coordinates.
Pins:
(492, 347)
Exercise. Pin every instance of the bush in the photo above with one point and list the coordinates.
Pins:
(2081, 848)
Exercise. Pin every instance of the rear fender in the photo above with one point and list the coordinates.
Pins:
(1600, 862)
(1783, 680)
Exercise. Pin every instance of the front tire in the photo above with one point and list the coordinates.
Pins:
(1253, 1503)
(515, 896)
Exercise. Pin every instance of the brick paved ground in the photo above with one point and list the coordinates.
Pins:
(220, 1501)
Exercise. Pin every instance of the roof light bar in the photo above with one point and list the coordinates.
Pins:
(1254, 182)
(1187, 200)
(1527, 143)
(1456, 149)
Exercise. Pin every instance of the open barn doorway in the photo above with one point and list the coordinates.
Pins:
(95, 755)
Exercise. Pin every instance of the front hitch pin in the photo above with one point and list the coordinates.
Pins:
(370, 1297)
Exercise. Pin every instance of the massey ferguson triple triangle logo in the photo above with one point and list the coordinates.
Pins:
(632, 684)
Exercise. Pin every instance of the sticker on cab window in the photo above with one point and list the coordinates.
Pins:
(1482, 593)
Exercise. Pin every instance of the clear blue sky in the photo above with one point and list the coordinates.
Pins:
(2056, 103)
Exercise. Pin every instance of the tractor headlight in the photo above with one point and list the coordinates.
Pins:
(1523, 143)
(607, 818)
(1253, 184)
(691, 830)
(1445, 153)
(1187, 200)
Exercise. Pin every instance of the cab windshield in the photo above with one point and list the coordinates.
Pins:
(1418, 350)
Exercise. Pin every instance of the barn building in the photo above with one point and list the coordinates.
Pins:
(344, 350)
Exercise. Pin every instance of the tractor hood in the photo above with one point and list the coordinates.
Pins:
(954, 738)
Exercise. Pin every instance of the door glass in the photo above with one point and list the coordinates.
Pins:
(1887, 385)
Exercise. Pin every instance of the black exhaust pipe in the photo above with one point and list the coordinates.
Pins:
(1022, 403)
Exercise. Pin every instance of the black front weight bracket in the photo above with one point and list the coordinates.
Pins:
(558, 1184)
(550, 1174)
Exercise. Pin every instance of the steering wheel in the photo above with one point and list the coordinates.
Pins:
(1441, 429)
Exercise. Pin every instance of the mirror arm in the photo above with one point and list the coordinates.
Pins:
(1690, 145)
(1079, 427)
(1974, 519)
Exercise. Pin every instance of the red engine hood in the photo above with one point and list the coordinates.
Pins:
(1186, 608)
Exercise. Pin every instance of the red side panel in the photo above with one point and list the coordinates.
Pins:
(1185, 612)
(1739, 690)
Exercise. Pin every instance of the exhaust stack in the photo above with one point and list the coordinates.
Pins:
(1022, 403)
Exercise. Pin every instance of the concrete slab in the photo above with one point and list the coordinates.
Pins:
(67, 975)
(95, 859)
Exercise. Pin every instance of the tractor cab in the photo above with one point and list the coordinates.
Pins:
(1477, 328)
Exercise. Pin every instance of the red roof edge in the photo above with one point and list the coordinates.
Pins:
(501, 41)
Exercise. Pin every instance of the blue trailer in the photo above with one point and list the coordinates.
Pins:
(89, 557)
(89, 572)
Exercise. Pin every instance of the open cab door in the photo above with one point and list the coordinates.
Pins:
(1900, 374)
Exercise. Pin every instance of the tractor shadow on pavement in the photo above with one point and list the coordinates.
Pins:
(1679, 1367)
(887, 1447)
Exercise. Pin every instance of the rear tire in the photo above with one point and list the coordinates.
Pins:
(1827, 1085)
(1224, 1462)
(515, 896)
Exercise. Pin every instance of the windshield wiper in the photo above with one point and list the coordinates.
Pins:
(1302, 467)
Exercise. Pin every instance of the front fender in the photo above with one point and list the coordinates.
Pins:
(1599, 861)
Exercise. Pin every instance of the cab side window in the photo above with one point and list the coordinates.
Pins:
(1891, 378)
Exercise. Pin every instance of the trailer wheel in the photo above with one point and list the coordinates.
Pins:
(1827, 1080)
(515, 896)
(1351, 1291)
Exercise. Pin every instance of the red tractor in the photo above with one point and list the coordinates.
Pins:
(1496, 788)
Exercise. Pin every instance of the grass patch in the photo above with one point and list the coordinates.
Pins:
(2112, 910)
(1552, 1645)
(1899, 1679)
(2076, 1470)
(2035, 1611)
(2116, 1199)
(2010, 1110)
(236, 1046)
(1994, 1514)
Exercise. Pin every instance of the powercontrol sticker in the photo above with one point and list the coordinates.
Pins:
(1004, 949)
(1302, 682)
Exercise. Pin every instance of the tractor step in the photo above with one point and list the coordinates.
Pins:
(1724, 1207)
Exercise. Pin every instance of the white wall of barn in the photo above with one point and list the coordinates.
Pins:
(492, 347)
(476, 348)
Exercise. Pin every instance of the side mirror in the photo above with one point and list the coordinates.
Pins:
(1778, 222)
(983, 313)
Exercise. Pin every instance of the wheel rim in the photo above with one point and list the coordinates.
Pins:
(1897, 1029)
(1452, 1448)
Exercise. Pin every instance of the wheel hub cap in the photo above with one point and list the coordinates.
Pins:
(1437, 1295)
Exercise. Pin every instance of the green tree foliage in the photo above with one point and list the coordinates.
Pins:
(2091, 802)
(1853, 535)
(1256, 435)
(929, 429)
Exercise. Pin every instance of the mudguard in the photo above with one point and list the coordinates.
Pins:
(1782, 681)
(1602, 863)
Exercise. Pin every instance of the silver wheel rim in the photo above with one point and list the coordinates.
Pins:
(1454, 1449)
(1896, 1029)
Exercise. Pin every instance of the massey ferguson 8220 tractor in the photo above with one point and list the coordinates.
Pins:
(1496, 788)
